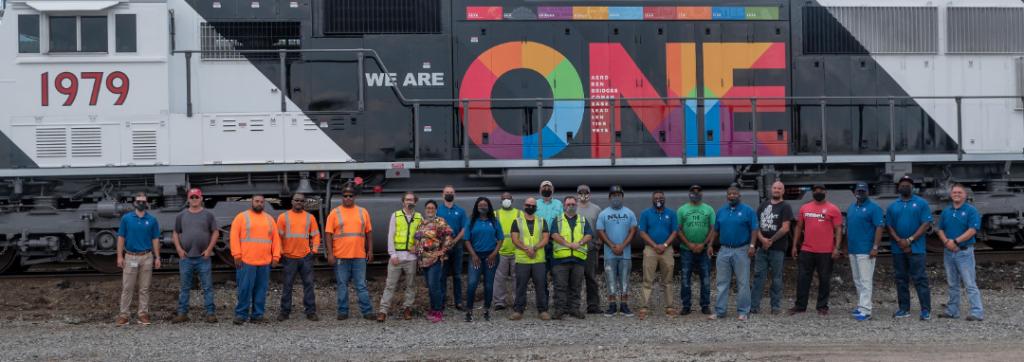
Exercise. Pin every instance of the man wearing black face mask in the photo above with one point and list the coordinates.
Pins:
(819, 227)
(695, 220)
(658, 231)
(548, 208)
(138, 253)
(907, 218)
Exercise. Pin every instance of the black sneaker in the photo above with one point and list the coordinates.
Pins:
(594, 310)
(755, 311)
(342, 317)
(312, 317)
(705, 310)
(239, 321)
(469, 316)
(625, 310)
(257, 320)
(686, 311)
(282, 317)
(612, 309)
(487, 315)
(369, 317)
(499, 307)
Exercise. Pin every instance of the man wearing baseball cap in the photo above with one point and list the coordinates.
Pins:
(864, 225)
(696, 220)
(819, 228)
(548, 208)
(195, 234)
(907, 218)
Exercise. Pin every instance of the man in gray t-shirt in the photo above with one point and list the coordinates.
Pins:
(590, 210)
(195, 235)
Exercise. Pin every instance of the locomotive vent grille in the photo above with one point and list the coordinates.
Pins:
(229, 125)
(985, 30)
(356, 17)
(221, 40)
(257, 125)
(874, 29)
(144, 144)
(86, 142)
(51, 142)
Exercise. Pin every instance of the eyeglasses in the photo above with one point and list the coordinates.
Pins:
(193, 197)
(348, 196)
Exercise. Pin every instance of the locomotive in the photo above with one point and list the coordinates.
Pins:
(105, 98)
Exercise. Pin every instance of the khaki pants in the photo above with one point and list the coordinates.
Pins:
(653, 263)
(137, 272)
(407, 268)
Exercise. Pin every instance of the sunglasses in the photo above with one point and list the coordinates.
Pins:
(193, 197)
(348, 196)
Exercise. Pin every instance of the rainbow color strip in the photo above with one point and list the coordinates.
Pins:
(632, 13)
(566, 89)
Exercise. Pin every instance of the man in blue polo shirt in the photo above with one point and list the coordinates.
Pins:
(958, 225)
(658, 231)
(736, 228)
(864, 225)
(456, 218)
(907, 218)
(138, 253)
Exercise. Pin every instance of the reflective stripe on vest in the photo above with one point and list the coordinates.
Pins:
(341, 224)
(529, 238)
(404, 231)
(248, 231)
(288, 234)
(571, 235)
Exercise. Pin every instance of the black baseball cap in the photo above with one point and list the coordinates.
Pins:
(905, 178)
(695, 188)
(818, 186)
(615, 189)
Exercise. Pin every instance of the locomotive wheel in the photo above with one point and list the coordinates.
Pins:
(106, 264)
(224, 254)
(10, 261)
(1002, 245)
(932, 244)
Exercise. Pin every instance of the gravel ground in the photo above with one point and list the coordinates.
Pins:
(72, 320)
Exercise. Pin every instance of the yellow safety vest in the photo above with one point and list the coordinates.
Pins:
(571, 235)
(404, 231)
(506, 217)
(530, 238)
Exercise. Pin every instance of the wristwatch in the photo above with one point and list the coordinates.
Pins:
(752, 246)
(911, 239)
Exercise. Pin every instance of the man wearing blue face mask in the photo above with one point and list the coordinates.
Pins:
(736, 228)
(864, 225)
(616, 226)
(695, 219)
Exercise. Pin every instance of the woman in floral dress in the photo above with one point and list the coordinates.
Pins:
(433, 239)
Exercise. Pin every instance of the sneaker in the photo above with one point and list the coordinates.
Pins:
(381, 317)
(487, 315)
(545, 316)
(612, 310)
(121, 321)
(861, 317)
(342, 317)
(210, 318)
(901, 314)
(144, 319)
(499, 307)
(642, 314)
(282, 317)
(742, 318)
(972, 318)
(180, 318)
(705, 310)
(945, 315)
(686, 311)
(238, 321)
(795, 311)
(926, 315)
(671, 312)
(855, 311)
(594, 310)
(517, 316)
(823, 312)
(625, 310)
(469, 316)
(715, 316)
(312, 317)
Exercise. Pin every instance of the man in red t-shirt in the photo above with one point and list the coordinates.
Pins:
(816, 240)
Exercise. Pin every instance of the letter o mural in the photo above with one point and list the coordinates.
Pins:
(566, 89)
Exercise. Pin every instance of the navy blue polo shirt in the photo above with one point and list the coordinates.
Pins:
(862, 219)
(905, 216)
(138, 232)
(734, 225)
(658, 225)
(956, 221)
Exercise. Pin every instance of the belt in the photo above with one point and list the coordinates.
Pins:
(744, 245)
(147, 252)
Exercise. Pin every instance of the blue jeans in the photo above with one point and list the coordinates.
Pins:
(767, 261)
(486, 270)
(187, 268)
(907, 267)
(252, 290)
(354, 271)
(453, 266)
(701, 264)
(960, 268)
(304, 268)
(733, 261)
(435, 286)
(616, 272)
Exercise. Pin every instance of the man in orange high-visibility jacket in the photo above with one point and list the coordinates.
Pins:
(350, 243)
(300, 239)
(255, 246)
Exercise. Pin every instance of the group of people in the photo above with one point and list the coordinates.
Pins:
(560, 240)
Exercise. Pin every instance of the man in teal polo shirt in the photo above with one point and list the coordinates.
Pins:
(138, 253)
(958, 225)
(908, 217)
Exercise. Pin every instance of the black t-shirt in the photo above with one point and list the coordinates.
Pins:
(529, 225)
(770, 218)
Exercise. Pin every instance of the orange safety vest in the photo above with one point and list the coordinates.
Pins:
(254, 240)
(298, 242)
